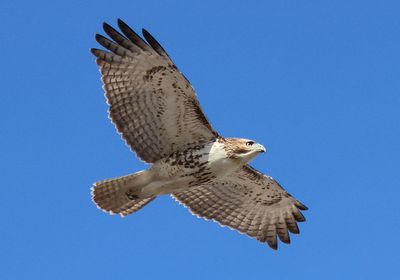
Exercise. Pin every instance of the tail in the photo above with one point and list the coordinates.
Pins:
(117, 195)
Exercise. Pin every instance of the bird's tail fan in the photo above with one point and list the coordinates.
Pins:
(117, 195)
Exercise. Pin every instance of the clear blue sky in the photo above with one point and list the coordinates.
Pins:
(317, 82)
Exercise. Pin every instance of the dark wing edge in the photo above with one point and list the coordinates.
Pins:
(116, 62)
(230, 206)
(130, 40)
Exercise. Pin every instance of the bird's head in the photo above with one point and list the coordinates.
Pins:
(243, 149)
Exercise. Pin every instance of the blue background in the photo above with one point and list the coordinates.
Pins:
(317, 82)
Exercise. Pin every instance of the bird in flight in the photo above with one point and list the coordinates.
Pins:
(155, 109)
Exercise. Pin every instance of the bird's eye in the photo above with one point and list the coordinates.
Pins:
(250, 143)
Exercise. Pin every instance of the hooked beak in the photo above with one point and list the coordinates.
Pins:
(261, 148)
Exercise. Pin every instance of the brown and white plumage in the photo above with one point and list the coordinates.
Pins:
(155, 109)
(151, 103)
(248, 201)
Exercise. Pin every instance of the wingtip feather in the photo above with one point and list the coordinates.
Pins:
(301, 206)
(145, 32)
(107, 27)
(120, 22)
(95, 52)
(273, 244)
(99, 37)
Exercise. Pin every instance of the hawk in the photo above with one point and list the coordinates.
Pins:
(155, 109)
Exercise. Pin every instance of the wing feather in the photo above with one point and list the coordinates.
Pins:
(155, 45)
(120, 39)
(248, 201)
(152, 104)
(133, 36)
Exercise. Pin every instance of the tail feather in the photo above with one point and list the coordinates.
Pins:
(113, 195)
(134, 206)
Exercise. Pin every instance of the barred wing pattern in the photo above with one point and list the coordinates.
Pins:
(248, 201)
(152, 104)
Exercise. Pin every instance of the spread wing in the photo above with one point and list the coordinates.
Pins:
(248, 201)
(152, 104)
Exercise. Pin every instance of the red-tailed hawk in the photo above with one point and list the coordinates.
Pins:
(155, 109)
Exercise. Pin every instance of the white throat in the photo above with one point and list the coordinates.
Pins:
(219, 162)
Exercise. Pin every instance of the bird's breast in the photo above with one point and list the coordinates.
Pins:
(219, 161)
(193, 167)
